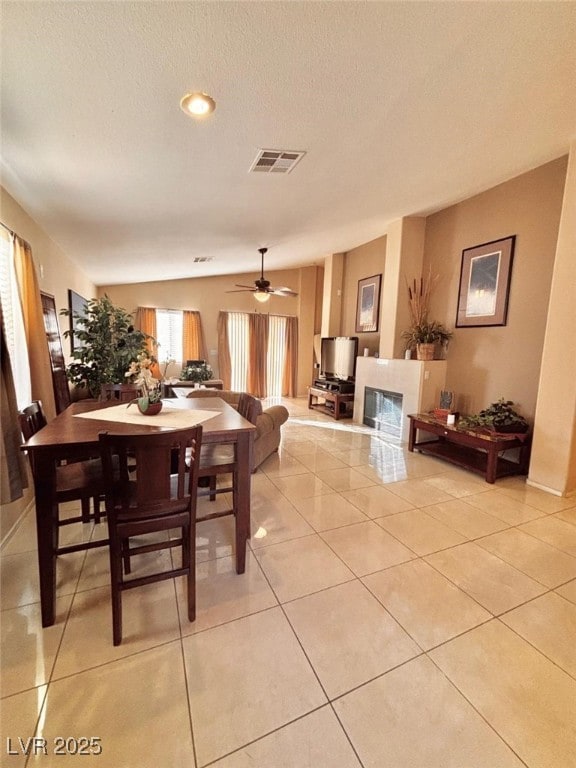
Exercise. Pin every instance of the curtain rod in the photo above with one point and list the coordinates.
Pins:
(14, 234)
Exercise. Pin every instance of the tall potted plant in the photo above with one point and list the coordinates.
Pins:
(107, 344)
(424, 335)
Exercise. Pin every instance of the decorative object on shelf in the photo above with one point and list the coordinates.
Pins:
(198, 371)
(498, 417)
(368, 304)
(424, 336)
(485, 283)
(445, 410)
(105, 344)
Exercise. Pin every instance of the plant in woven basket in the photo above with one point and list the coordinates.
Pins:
(423, 331)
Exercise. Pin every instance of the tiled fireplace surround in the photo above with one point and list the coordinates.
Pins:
(419, 383)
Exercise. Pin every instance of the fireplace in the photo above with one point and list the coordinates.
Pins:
(383, 410)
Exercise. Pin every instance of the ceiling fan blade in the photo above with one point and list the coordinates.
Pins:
(243, 290)
(249, 287)
(283, 292)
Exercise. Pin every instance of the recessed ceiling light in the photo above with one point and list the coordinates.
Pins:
(197, 104)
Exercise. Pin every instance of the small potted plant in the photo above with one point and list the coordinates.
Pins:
(424, 335)
(498, 417)
(197, 372)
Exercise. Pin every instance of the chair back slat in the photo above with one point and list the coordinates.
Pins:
(31, 419)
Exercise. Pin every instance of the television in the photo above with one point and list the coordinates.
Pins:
(338, 357)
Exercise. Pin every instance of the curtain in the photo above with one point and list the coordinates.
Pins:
(13, 475)
(224, 361)
(193, 345)
(145, 321)
(257, 354)
(289, 378)
(38, 355)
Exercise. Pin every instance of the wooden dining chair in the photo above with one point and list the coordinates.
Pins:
(160, 495)
(81, 480)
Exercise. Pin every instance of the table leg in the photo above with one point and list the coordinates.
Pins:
(44, 490)
(243, 478)
(411, 436)
(491, 465)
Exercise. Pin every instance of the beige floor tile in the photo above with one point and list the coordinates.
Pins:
(301, 486)
(262, 487)
(548, 623)
(245, 679)
(531, 556)
(150, 617)
(354, 457)
(215, 538)
(321, 461)
(19, 577)
(384, 473)
(283, 465)
(346, 479)
(329, 511)
(419, 493)
(28, 651)
(18, 721)
(23, 539)
(568, 591)
(568, 515)
(348, 636)
(420, 532)
(313, 741)
(488, 579)
(223, 595)
(464, 519)
(458, 484)
(508, 508)
(276, 521)
(558, 533)
(517, 488)
(299, 448)
(366, 548)
(429, 607)
(377, 501)
(528, 700)
(136, 706)
(413, 717)
(301, 567)
(419, 465)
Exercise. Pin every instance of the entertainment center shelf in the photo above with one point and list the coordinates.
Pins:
(335, 404)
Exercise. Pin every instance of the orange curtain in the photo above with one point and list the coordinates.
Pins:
(146, 322)
(13, 475)
(39, 357)
(193, 346)
(224, 362)
(290, 373)
(257, 353)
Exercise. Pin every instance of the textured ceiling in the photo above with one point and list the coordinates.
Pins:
(402, 108)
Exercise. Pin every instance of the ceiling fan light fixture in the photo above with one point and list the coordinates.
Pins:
(261, 296)
(197, 104)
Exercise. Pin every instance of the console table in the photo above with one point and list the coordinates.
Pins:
(339, 408)
(472, 449)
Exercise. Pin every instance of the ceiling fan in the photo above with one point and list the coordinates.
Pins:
(263, 289)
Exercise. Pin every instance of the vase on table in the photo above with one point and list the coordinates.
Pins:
(146, 407)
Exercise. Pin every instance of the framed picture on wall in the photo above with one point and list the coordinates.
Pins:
(368, 304)
(76, 304)
(485, 284)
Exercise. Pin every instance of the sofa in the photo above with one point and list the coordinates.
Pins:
(268, 422)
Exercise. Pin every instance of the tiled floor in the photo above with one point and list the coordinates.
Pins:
(395, 612)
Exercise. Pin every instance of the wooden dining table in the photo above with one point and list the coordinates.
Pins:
(74, 435)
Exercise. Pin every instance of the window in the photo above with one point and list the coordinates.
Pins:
(14, 322)
(169, 334)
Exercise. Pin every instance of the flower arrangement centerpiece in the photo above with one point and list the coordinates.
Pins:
(423, 334)
(197, 372)
(140, 375)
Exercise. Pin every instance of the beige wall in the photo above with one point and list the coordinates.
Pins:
(487, 363)
(209, 295)
(364, 261)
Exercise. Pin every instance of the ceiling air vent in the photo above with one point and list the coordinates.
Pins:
(201, 259)
(275, 161)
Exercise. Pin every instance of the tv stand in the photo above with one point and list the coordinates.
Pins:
(336, 403)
